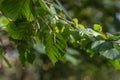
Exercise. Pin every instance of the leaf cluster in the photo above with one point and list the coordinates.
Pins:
(47, 21)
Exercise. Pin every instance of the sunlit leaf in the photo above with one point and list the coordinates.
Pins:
(56, 30)
(75, 20)
(97, 27)
(3, 21)
(116, 64)
(81, 26)
(27, 10)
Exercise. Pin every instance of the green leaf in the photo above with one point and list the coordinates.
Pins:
(97, 27)
(45, 7)
(60, 44)
(15, 9)
(27, 10)
(89, 32)
(55, 47)
(96, 45)
(50, 49)
(75, 20)
(64, 29)
(21, 31)
(116, 46)
(40, 11)
(3, 21)
(106, 49)
(111, 54)
(116, 64)
(11, 8)
(52, 9)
